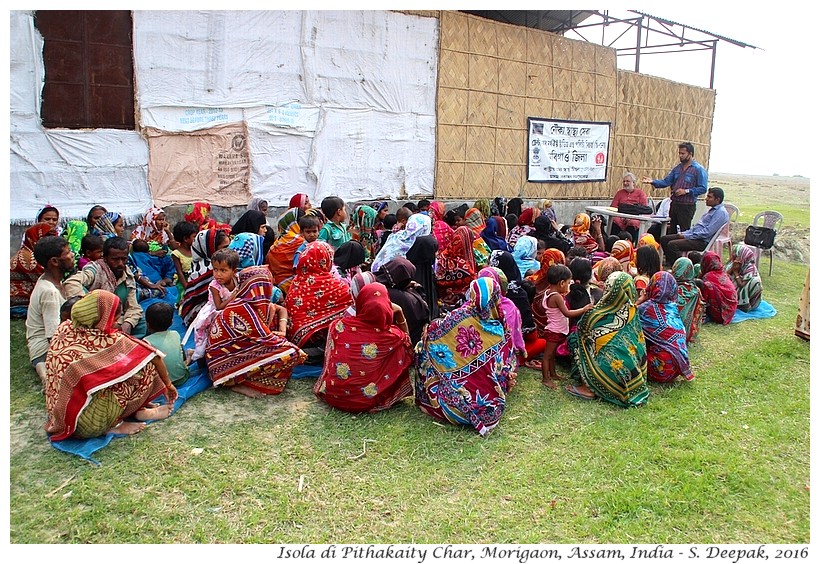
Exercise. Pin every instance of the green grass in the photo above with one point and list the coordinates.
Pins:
(723, 459)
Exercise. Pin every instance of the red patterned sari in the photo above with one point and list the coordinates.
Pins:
(316, 298)
(24, 268)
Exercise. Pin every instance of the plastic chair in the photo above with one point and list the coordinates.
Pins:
(723, 238)
(772, 220)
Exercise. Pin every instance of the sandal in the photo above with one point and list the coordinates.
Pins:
(573, 390)
(535, 364)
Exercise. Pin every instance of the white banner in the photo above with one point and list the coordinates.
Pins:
(567, 151)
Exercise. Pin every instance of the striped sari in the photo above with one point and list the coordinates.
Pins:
(608, 347)
(690, 300)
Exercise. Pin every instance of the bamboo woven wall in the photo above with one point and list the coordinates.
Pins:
(492, 76)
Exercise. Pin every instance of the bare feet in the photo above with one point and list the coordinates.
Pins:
(154, 413)
(127, 428)
(246, 391)
(551, 383)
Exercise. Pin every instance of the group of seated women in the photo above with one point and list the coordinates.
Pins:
(442, 306)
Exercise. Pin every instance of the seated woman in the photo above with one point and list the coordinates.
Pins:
(587, 233)
(465, 362)
(280, 256)
(368, 358)
(546, 230)
(25, 271)
(199, 213)
(491, 234)
(363, 221)
(441, 230)
(690, 300)
(399, 243)
(155, 229)
(509, 311)
(316, 298)
(250, 247)
(667, 356)
(622, 250)
(525, 224)
(51, 215)
(524, 253)
(97, 376)
(746, 278)
(718, 290)
(609, 348)
(348, 260)
(455, 267)
(397, 276)
(111, 224)
(423, 256)
(243, 352)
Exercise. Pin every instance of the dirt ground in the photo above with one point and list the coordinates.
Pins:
(792, 242)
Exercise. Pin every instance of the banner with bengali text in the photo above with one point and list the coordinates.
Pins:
(567, 151)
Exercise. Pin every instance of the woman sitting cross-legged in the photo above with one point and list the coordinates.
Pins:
(242, 351)
(746, 278)
(97, 376)
(368, 357)
(667, 356)
(465, 362)
(718, 290)
(609, 349)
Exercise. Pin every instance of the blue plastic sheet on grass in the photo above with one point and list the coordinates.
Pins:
(764, 311)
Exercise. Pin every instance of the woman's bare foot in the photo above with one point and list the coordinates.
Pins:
(246, 391)
(154, 413)
(551, 383)
(127, 428)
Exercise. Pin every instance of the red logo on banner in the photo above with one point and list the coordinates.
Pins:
(599, 159)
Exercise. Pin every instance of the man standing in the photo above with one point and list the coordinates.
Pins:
(57, 260)
(111, 273)
(688, 180)
(629, 194)
(698, 237)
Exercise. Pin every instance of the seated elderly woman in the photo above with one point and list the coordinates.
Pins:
(609, 349)
(718, 290)
(242, 351)
(667, 356)
(465, 362)
(97, 376)
(746, 278)
(368, 357)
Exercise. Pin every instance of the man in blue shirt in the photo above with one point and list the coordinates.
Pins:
(688, 180)
(698, 237)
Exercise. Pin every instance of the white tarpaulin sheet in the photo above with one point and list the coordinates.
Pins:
(370, 75)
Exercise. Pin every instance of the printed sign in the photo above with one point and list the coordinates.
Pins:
(567, 151)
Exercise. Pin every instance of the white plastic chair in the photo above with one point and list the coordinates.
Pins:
(772, 220)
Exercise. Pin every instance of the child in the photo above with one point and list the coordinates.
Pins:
(558, 316)
(390, 221)
(540, 249)
(139, 258)
(575, 252)
(579, 295)
(423, 206)
(159, 317)
(309, 226)
(648, 262)
(280, 314)
(65, 309)
(334, 231)
(184, 233)
(221, 290)
(90, 250)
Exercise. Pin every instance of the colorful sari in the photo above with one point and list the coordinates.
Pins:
(25, 271)
(750, 287)
(316, 298)
(74, 232)
(147, 230)
(667, 356)
(298, 201)
(524, 253)
(608, 347)
(250, 248)
(482, 205)
(549, 258)
(581, 235)
(400, 242)
(718, 289)
(440, 229)
(364, 220)
(199, 213)
(242, 348)
(455, 266)
(196, 291)
(492, 236)
(622, 250)
(505, 262)
(368, 359)
(465, 362)
(96, 375)
(512, 317)
(690, 300)
(105, 225)
(280, 256)
(524, 225)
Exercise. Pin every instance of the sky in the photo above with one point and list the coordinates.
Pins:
(763, 112)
